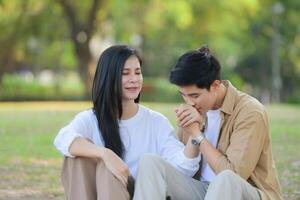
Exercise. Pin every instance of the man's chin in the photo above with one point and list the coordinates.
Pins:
(202, 112)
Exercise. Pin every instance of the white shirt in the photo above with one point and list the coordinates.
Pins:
(211, 132)
(146, 132)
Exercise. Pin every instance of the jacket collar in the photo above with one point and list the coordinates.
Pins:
(230, 98)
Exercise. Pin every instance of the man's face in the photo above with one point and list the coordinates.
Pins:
(202, 99)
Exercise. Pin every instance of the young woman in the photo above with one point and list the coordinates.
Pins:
(103, 145)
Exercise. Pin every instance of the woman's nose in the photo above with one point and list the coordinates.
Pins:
(133, 78)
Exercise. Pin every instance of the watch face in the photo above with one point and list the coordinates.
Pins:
(195, 142)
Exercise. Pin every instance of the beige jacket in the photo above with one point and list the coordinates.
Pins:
(245, 142)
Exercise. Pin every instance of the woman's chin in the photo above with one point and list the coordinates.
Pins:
(130, 97)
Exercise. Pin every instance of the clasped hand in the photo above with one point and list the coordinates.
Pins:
(189, 119)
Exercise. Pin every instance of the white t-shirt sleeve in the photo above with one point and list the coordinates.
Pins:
(78, 127)
(171, 149)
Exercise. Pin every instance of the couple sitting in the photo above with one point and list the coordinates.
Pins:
(224, 150)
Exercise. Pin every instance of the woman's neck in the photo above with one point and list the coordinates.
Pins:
(129, 109)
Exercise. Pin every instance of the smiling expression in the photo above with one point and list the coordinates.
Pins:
(132, 79)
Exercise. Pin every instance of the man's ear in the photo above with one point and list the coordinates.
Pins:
(215, 86)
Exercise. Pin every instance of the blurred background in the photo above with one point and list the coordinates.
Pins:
(49, 51)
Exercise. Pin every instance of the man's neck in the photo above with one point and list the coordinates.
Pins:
(221, 96)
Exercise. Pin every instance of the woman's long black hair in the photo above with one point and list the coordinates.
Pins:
(107, 94)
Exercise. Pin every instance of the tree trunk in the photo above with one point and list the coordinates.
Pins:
(85, 67)
(81, 33)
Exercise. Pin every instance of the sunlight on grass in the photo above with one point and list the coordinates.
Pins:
(44, 106)
(27, 131)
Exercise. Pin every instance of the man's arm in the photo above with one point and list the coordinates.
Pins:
(246, 144)
(245, 147)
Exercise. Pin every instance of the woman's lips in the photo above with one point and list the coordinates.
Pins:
(132, 89)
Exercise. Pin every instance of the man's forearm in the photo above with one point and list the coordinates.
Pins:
(210, 153)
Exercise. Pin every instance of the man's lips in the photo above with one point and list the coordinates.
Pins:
(199, 110)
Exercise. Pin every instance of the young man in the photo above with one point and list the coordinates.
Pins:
(236, 150)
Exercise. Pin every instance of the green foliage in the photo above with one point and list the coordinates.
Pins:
(14, 87)
(159, 90)
(18, 88)
(36, 34)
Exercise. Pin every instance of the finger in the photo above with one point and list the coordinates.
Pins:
(189, 122)
(181, 108)
(184, 114)
(125, 180)
(184, 120)
(122, 179)
(117, 172)
(118, 176)
(125, 174)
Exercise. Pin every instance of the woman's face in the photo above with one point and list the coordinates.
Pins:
(132, 79)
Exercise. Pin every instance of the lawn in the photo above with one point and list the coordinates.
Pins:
(30, 166)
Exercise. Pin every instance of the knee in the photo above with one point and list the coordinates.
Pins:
(101, 169)
(78, 163)
(149, 159)
(82, 161)
(226, 175)
(103, 173)
(150, 162)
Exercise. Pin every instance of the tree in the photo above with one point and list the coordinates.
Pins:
(8, 41)
(81, 32)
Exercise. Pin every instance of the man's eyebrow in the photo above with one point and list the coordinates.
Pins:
(191, 94)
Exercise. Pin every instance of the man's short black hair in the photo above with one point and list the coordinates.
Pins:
(196, 67)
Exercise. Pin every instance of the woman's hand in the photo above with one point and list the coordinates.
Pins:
(189, 119)
(116, 165)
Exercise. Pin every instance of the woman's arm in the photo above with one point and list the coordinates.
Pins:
(83, 147)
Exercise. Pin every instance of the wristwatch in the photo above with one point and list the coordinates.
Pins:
(198, 139)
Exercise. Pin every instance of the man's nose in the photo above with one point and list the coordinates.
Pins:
(190, 102)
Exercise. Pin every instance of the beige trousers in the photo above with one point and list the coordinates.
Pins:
(157, 180)
(89, 179)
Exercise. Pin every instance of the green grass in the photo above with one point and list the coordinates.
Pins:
(30, 165)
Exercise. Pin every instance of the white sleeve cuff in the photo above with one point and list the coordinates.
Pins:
(189, 166)
(63, 142)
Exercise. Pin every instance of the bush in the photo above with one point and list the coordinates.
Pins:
(159, 90)
(18, 88)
